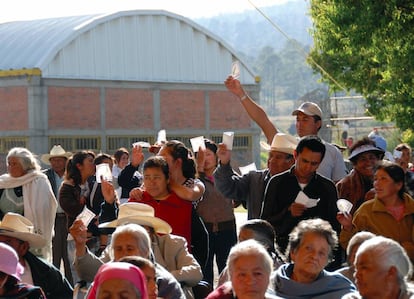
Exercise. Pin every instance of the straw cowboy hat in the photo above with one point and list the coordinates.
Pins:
(281, 143)
(56, 151)
(138, 213)
(19, 227)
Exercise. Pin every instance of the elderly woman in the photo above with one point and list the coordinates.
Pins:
(311, 244)
(169, 250)
(261, 231)
(249, 266)
(119, 280)
(364, 156)
(382, 269)
(390, 213)
(25, 190)
(128, 239)
(353, 245)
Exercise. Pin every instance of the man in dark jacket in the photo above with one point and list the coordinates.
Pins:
(17, 232)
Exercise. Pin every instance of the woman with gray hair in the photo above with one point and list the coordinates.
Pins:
(382, 268)
(129, 239)
(25, 190)
(353, 245)
(310, 248)
(249, 266)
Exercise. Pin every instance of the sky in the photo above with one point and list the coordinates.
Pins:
(13, 10)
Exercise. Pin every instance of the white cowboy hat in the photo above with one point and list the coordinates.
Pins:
(19, 227)
(56, 151)
(281, 143)
(138, 213)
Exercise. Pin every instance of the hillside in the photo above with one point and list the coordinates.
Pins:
(249, 32)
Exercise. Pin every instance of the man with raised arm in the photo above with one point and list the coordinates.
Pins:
(308, 122)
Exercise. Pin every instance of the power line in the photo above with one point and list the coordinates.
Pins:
(296, 45)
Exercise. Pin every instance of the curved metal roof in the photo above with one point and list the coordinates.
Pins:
(138, 45)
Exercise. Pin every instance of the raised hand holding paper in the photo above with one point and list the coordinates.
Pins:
(228, 139)
(235, 69)
(141, 144)
(86, 216)
(246, 169)
(197, 142)
(162, 137)
(103, 172)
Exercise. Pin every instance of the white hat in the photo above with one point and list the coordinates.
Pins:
(10, 262)
(309, 108)
(19, 227)
(138, 213)
(365, 148)
(281, 143)
(56, 151)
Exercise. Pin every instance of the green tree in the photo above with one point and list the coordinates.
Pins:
(367, 46)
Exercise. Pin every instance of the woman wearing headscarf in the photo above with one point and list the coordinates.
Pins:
(116, 279)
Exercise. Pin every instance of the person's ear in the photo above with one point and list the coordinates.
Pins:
(393, 272)
(295, 154)
(23, 248)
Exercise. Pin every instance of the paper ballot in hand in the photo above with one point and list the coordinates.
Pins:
(303, 199)
(235, 69)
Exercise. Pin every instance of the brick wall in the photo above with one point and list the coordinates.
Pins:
(14, 108)
(74, 108)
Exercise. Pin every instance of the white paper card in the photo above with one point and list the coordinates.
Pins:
(303, 199)
(162, 137)
(103, 171)
(86, 216)
(197, 142)
(235, 69)
(397, 154)
(141, 144)
(228, 140)
(344, 205)
(246, 169)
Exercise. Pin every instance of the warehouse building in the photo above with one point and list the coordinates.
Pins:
(104, 81)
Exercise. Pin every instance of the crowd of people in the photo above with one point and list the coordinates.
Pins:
(159, 227)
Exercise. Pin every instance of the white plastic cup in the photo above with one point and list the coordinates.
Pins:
(228, 140)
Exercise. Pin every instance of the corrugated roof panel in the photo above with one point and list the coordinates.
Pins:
(131, 45)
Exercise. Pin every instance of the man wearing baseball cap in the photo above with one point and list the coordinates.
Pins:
(249, 188)
(308, 122)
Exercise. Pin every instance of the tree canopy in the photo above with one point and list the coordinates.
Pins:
(367, 46)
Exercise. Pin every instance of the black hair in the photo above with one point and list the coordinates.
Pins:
(72, 171)
(119, 153)
(178, 150)
(313, 143)
(157, 162)
(396, 173)
(101, 158)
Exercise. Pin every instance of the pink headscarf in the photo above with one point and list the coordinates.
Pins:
(119, 270)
